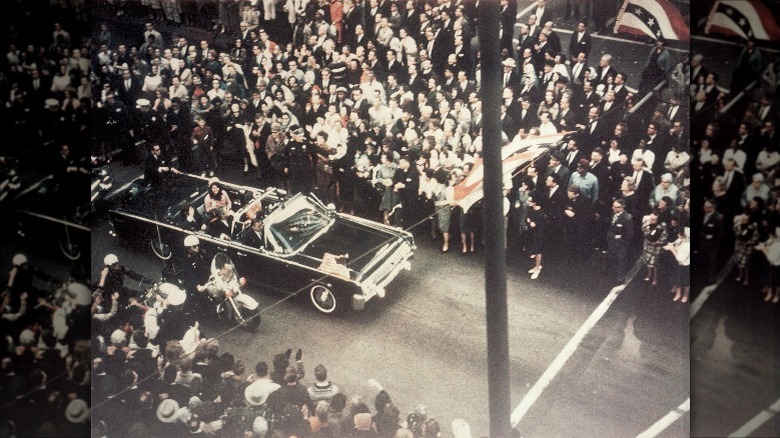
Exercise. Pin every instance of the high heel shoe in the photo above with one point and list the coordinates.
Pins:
(536, 273)
(445, 248)
(684, 299)
(676, 296)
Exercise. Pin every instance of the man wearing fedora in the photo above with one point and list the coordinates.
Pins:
(510, 78)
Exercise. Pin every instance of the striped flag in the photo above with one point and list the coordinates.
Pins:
(514, 155)
(654, 18)
(749, 19)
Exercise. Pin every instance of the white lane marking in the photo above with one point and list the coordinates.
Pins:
(695, 307)
(666, 420)
(530, 398)
(758, 420)
(707, 291)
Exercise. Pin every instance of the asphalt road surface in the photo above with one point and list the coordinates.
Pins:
(735, 336)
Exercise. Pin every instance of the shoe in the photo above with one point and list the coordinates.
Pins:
(535, 275)
(676, 296)
(768, 297)
(776, 299)
(246, 169)
(534, 269)
(647, 278)
(464, 251)
(445, 248)
(738, 279)
(684, 299)
(533, 256)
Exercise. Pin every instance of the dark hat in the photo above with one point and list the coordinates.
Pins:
(296, 130)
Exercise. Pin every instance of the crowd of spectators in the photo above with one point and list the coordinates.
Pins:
(155, 374)
(44, 329)
(45, 103)
(375, 107)
(736, 157)
(44, 354)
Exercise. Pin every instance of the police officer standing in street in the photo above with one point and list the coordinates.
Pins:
(194, 275)
(299, 162)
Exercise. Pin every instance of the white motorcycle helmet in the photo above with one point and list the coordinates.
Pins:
(19, 259)
(110, 260)
(191, 240)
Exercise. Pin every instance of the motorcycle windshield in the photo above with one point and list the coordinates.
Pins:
(224, 273)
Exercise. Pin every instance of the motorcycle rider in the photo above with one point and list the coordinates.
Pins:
(112, 279)
(20, 278)
(224, 283)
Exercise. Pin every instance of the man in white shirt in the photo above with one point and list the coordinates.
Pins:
(735, 153)
(547, 127)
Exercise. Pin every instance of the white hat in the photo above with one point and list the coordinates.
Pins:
(667, 177)
(173, 294)
(110, 259)
(80, 293)
(255, 395)
(142, 102)
(118, 336)
(191, 240)
(260, 426)
(509, 62)
(51, 102)
(460, 429)
(77, 411)
(19, 259)
(26, 337)
(166, 412)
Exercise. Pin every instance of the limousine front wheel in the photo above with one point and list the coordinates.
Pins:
(323, 299)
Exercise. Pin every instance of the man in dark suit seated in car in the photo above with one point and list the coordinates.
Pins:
(220, 226)
(253, 236)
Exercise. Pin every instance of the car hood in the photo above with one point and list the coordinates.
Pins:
(360, 240)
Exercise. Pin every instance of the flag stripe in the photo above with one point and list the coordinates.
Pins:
(632, 24)
(678, 23)
(759, 20)
(514, 155)
(654, 15)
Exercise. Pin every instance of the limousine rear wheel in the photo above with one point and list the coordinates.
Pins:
(323, 299)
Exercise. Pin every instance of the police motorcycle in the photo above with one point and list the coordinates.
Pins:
(224, 289)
